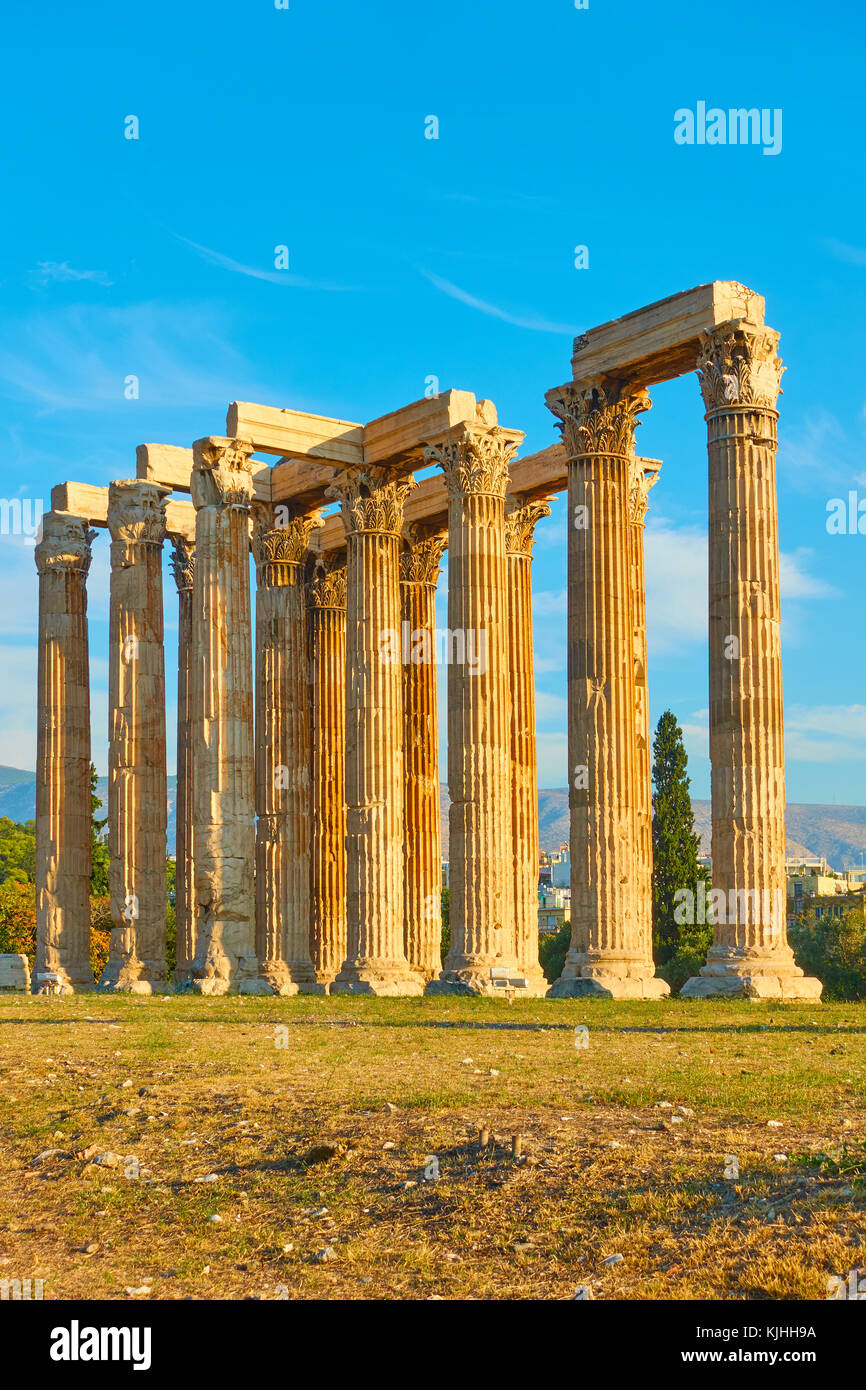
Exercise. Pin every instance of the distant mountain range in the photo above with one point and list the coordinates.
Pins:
(838, 833)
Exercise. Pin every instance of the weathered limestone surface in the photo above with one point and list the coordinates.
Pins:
(183, 566)
(419, 571)
(740, 373)
(608, 954)
(136, 741)
(63, 755)
(223, 775)
(643, 475)
(372, 504)
(475, 461)
(283, 905)
(14, 973)
(521, 519)
(326, 633)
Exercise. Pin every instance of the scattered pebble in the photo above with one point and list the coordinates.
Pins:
(613, 1260)
(322, 1256)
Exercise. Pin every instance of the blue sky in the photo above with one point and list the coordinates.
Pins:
(411, 257)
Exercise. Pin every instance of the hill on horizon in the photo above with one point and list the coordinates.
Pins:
(838, 833)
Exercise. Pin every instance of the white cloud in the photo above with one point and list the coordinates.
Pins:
(796, 583)
(533, 322)
(276, 277)
(63, 272)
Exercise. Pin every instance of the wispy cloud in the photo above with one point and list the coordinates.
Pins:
(274, 277)
(533, 322)
(63, 272)
(844, 251)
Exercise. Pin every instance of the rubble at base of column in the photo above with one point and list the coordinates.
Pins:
(732, 973)
(605, 982)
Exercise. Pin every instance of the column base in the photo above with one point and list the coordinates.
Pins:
(132, 977)
(616, 979)
(64, 983)
(732, 973)
(474, 980)
(384, 978)
(289, 977)
(221, 974)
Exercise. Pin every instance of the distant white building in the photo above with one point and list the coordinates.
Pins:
(560, 869)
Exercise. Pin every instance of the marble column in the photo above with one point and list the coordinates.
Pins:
(372, 507)
(608, 954)
(740, 372)
(222, 742)
(183, 566)
(475, 462)
(63, 809)
(326, 636)
(521, 518)
(644, 475)
(283, 905)
(422, 864)
(136, 741)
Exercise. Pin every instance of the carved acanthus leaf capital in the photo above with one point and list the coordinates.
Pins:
(65, 543)
(183, 563)
(739, 365)
(222, 472)
(643, 474)
(327, 584)
(371, 499)
(136, 512)
(598, 419)
(281, 536)
(521, 519)
(475, 461)
(421, 558)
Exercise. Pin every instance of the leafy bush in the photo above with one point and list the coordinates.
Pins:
(552, 950)
(834, 949)
(18, 919)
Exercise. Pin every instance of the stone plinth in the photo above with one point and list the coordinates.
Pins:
(326, 635)
(136, 741)
(475, 462)
(372, 505)
(63, 755)
(740, 372)
(183, 566)
(222, 741)
(283, 906)
(14, 974)
(608, 955)
(422, 864)
(521, 519)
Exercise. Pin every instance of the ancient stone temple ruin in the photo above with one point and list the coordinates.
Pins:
(308, 854)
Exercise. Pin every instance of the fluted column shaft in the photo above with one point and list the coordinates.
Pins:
(326, 635)
(183, 565)
(372, 505)
(136, 740)
(283, 907)
(475, 463)
(419, 570)
(63, 810)
(643, 476)
(607, 955)
(223, 774)
(740, 373)
(520, 521)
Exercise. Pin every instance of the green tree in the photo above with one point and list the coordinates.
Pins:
(17, 851)
(446, 923)
(552, 950)
(675, 855)
(98, 847)
(834, 949)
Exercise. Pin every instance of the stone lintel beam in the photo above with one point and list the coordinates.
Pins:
(661, 340)
(92, 502)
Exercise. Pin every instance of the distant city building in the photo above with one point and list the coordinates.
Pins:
(812, 885)
(445, 881)
(554, 908)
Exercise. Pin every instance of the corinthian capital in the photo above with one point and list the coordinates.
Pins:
(422, 555)
(136, 512)
(372, 500)
(739, 365)
(280, 536)
(642, 475)
(598, 419)
(475, 460)
(521, 519)
(183, 563)
(65, 543)
(327, 583)
(222, 472)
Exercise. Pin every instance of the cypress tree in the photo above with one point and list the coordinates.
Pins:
(675, 846)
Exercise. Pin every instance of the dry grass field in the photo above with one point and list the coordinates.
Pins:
(268, 1148)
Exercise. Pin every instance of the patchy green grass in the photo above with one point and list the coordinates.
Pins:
(626, 1145)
